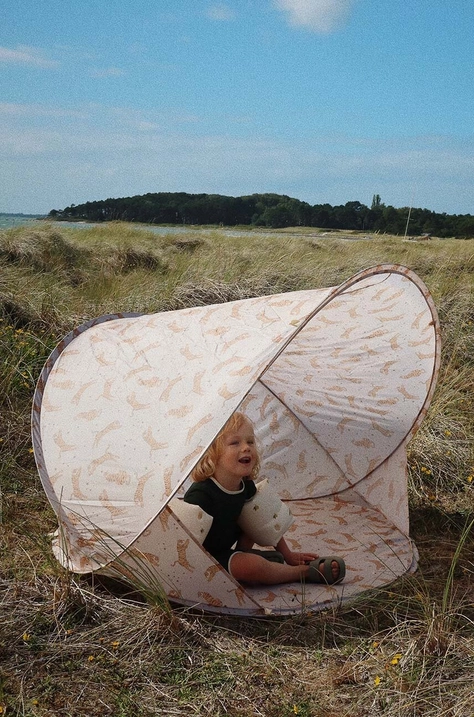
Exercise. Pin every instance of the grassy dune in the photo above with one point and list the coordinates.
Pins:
(70, 647)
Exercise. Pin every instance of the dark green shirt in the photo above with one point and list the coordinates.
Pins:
(225, 507)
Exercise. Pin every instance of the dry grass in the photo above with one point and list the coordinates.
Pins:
(72, 647)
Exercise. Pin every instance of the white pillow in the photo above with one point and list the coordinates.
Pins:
(265, 518)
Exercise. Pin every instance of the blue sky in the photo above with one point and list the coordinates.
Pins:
(323, 100)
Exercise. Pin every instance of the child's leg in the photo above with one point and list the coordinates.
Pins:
(251, 568)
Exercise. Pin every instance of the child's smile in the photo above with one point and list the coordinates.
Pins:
(238, 457)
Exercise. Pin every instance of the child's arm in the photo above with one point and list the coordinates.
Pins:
(292, 557)
(245, 542)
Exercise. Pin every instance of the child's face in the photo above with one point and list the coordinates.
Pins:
(238, 456)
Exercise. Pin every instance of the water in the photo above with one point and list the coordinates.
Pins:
(179, 229)
(8, 221)
(162, 231)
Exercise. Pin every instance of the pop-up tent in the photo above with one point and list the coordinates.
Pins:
(335, 380)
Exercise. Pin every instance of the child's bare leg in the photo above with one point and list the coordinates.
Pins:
(251, 568)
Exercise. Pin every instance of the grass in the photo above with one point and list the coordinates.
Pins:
(69, 646)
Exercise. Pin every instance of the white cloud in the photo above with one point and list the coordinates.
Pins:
(321, 16)
(23, 55)
(34, 110)
(220, 11)
(52, 156)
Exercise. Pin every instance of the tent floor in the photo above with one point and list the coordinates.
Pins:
(375, 552)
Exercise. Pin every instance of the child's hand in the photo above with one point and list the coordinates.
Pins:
(293, 558)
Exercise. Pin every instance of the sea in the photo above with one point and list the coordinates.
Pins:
(7, 221)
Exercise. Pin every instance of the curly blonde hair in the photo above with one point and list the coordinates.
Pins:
(206, 466)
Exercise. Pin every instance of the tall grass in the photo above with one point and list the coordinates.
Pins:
(69, 647)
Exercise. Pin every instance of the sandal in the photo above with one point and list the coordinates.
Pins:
(320, 571)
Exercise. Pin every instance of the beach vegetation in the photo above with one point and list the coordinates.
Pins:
(82, 647)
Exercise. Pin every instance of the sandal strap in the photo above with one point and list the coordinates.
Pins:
(342, 568)
(324, 568)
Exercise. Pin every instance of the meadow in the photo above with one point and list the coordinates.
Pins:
(70, 647)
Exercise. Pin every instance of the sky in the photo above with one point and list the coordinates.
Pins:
(327, 101)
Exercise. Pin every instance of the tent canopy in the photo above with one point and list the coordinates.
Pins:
(335, 380)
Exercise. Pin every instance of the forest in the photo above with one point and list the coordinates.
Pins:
(268, 210)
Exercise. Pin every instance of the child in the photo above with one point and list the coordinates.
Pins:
(224, 481)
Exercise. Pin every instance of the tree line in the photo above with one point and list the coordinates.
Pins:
(267, 210)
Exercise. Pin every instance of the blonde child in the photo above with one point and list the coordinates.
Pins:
(223, 482)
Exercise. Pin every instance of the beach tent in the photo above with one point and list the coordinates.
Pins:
(336, 381)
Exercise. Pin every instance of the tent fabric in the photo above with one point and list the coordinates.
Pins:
(336, 381)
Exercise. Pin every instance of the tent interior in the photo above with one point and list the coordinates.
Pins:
(335, 381)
